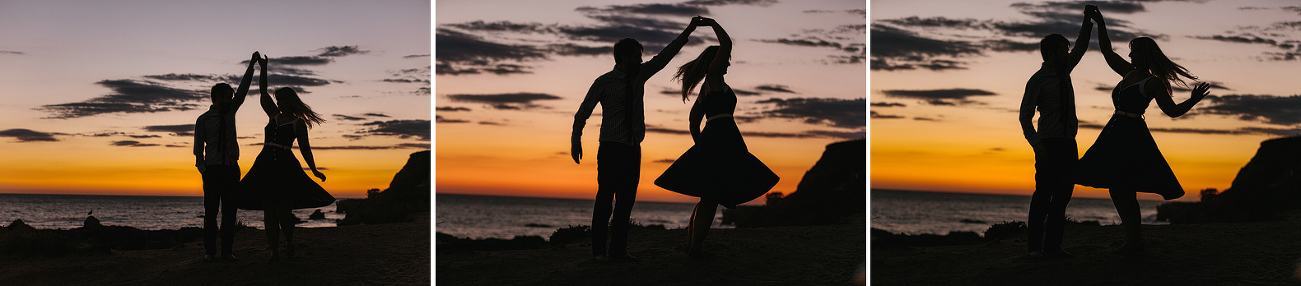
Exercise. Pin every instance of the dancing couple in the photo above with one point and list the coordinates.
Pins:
(275, 184)
(718, 169)
(1124, 158)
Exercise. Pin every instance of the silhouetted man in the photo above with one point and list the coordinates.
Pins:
(623, 126)
(216, 154)
(1055, 152)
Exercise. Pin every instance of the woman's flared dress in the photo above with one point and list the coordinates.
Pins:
(1125, 156)
(719, 166)
(277, 176)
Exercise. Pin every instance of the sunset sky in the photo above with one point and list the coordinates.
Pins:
(100, 97)
(511, 74)
(947, 78)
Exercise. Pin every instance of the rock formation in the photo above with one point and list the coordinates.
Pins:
(833, 191)
(1268, 184)
(407, 194)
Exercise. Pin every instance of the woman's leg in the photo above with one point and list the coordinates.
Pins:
(287, 221)
(704, 217)
(691, 228)
(1126, 202)
(271, 222)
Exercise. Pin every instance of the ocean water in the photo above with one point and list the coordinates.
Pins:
(151, 213)
(910, 212)
(467, 216)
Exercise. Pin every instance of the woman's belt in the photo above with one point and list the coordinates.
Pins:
(273, 144)
(1130, 114)
(717, 116)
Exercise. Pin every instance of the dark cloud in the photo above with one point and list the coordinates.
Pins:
(568, 49)
(684, 10)
(775, 88)
(144, 136)
(349, 118)
(806, 134)
(339, 51)
(943, 97)
(764, 3)
(131, 143)
(1106, 7)
(405, 80)
(416, 56)
(503, 26)
(27, 135)
(636, 21)
(506, 101)
(839, 134)
(499, 69)
(376, 115)
(852, 11)
(355, 147)
(187, 77)
(905, 48)
(875, 115)
(177, 130)
(448, 108)
(667, 130)
(1247, 39)
(460, 47)
(803, 42)
(299, 61)
(1276, 110)
(743, 92)
(925, 119)
(440, 119)
(898, 49)
(401, 128)
(129, 96)
(843, 113)
(490, 123)
(1004, 45)
(665, 161)
(888, 104)
(10, 53)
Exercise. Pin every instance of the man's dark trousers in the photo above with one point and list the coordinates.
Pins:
(618, 168)
(1055, 162)
(219, 184)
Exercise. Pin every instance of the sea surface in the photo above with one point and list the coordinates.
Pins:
(912, 212)
(467, 216)
(151, 213)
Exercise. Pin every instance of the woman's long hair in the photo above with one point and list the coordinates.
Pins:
(692, 72)
(1158, 64)
(288, 102)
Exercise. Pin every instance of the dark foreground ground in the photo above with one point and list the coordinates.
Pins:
(1263, 253)
(383, 254)
(806, 255)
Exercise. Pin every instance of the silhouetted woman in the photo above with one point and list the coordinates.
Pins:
(276, 179)
(718, 169)
(1125, 158)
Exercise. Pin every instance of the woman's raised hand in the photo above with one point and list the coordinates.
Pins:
(262, 60)
(1201, 90)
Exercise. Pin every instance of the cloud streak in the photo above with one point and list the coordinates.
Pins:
(28, 135)
(842, 113)
(505, 101)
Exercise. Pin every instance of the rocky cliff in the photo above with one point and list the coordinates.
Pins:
(407, 194)
(833, 191)
(1270, 183)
